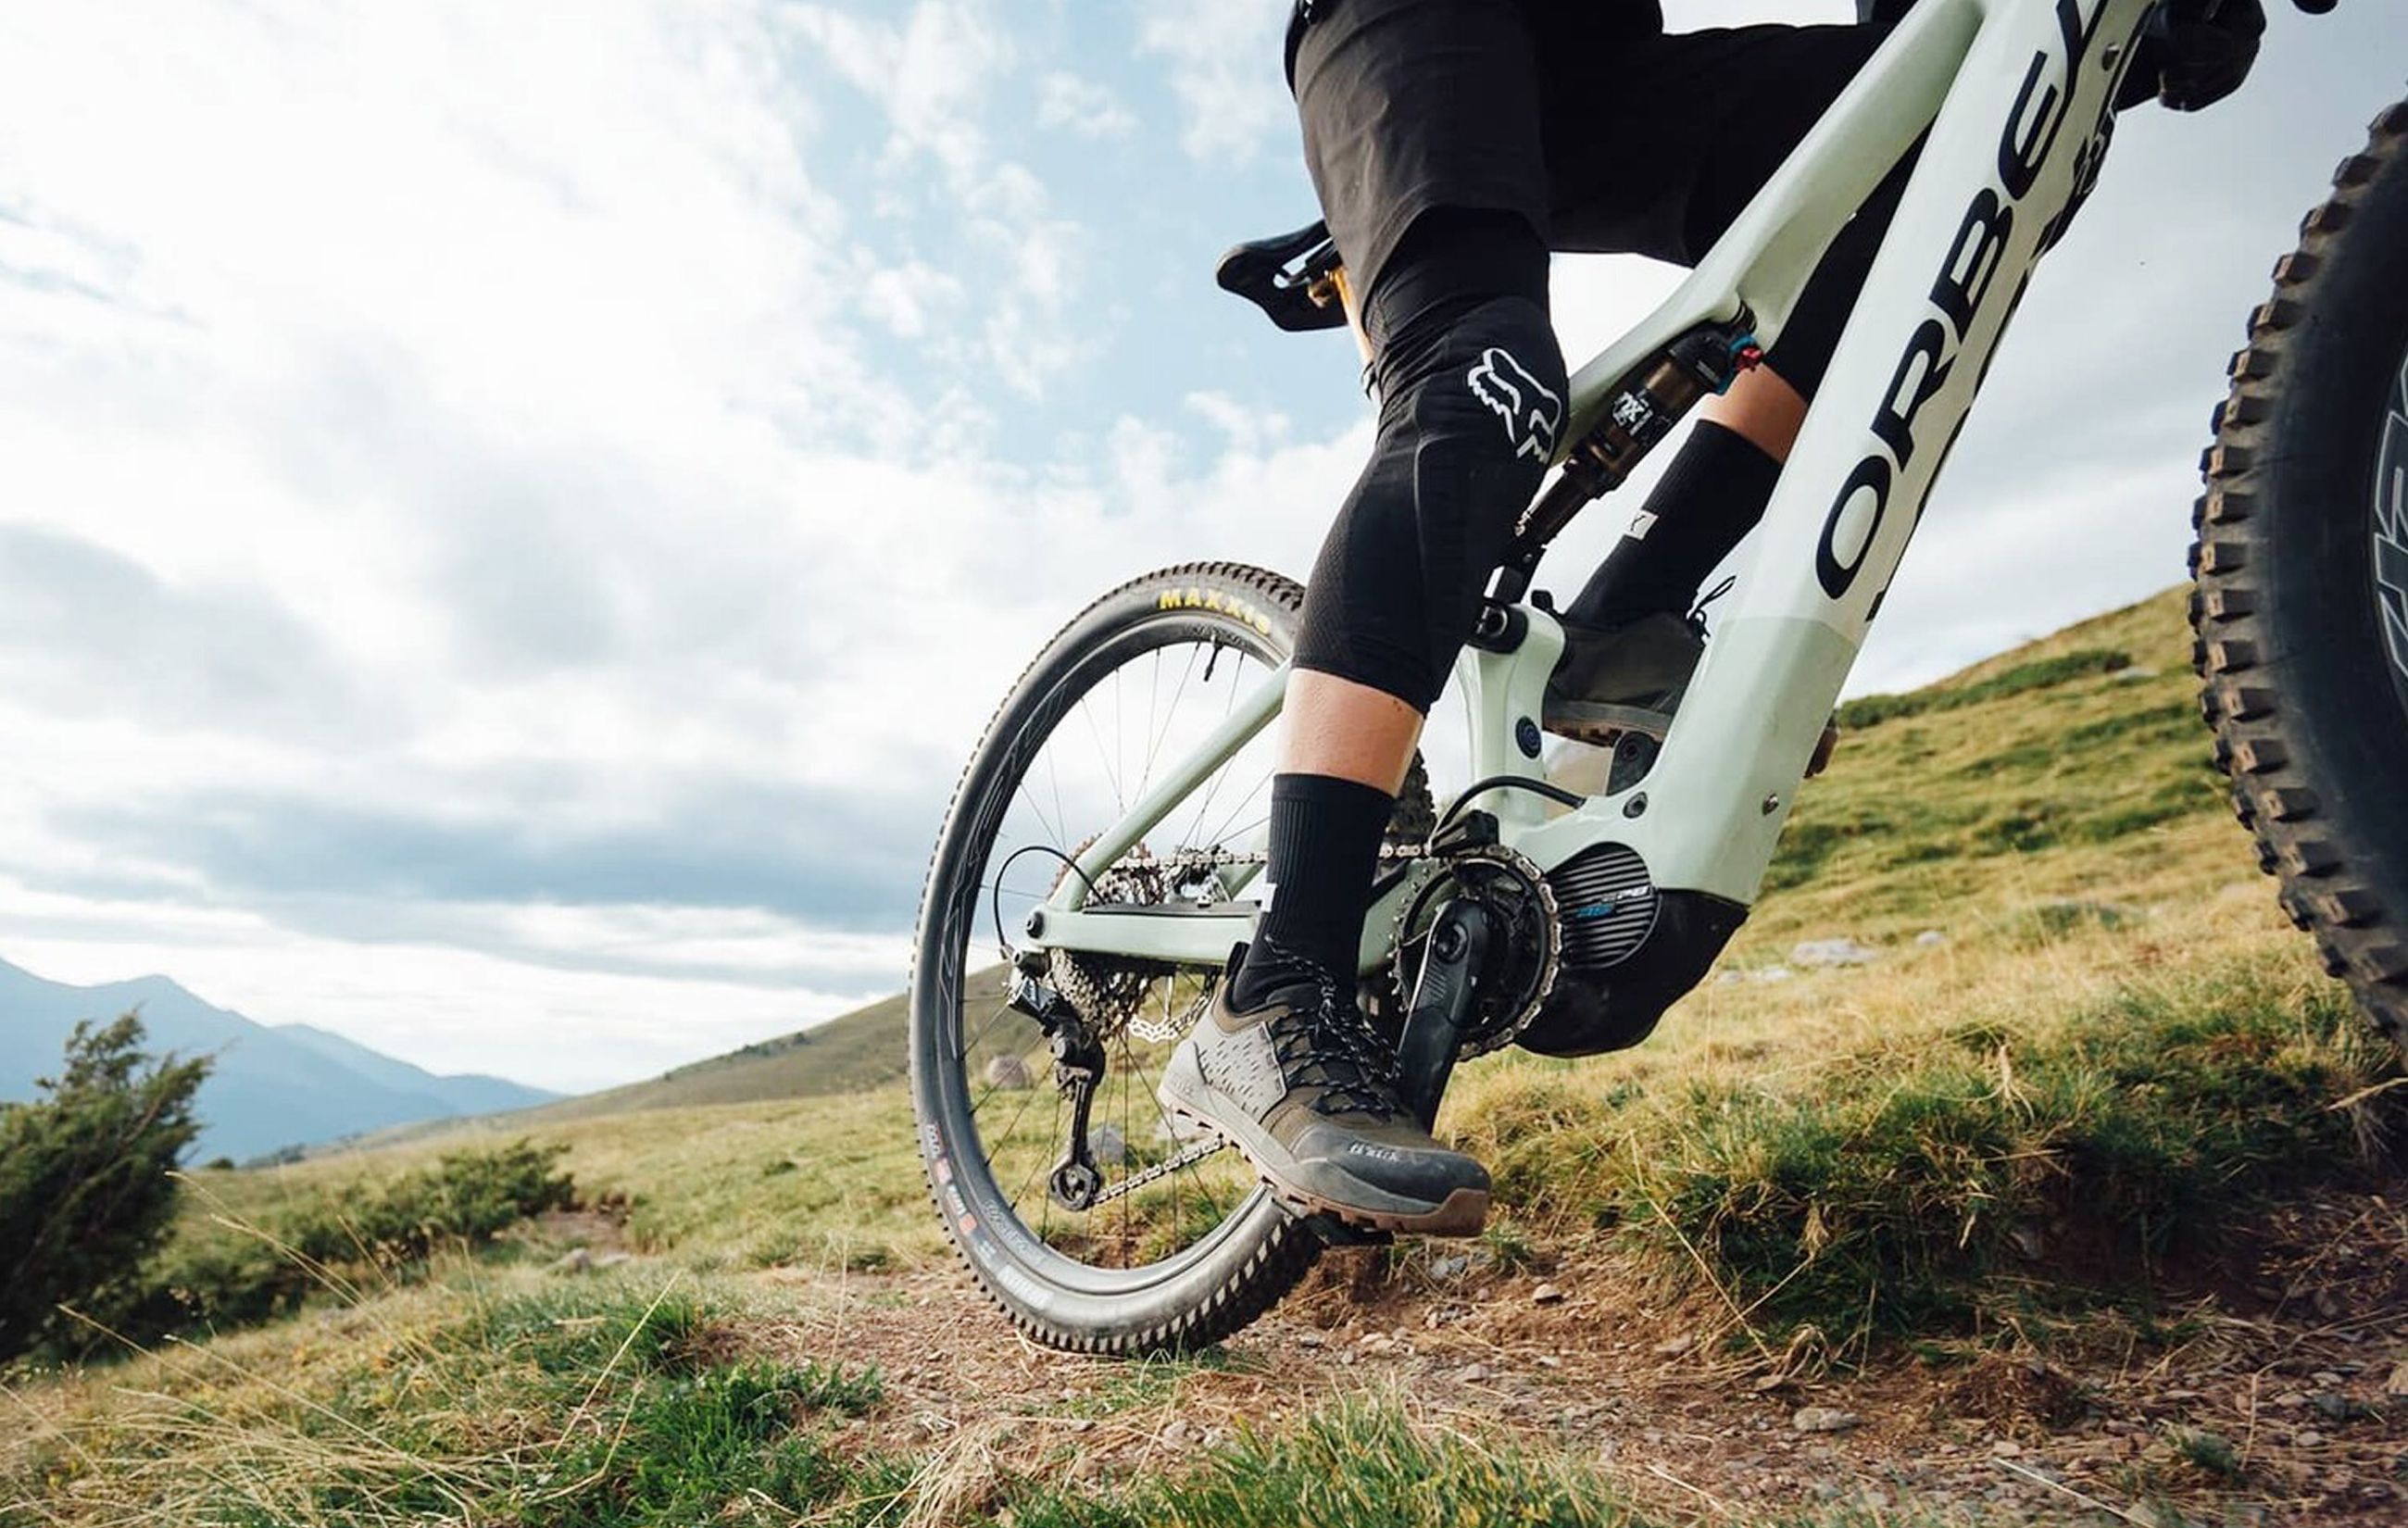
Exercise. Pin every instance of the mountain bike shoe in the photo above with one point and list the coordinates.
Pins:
(1304, 1087)
(1629, 677)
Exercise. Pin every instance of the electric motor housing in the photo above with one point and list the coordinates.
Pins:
(1631, 950)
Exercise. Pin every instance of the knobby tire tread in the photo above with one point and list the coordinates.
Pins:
(2356, 906)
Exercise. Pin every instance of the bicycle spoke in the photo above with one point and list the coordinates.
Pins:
(1073, 781)
(1120, 802)
(1229, 707)
(1052, 832)
(992, 1020)
(1011, 1126)
(1154, 751)
(1221, 833)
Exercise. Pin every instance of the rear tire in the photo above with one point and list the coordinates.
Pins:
(2300, 608)
(1062, 1277)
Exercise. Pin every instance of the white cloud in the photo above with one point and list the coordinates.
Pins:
(1224, 61)
(1083, 106)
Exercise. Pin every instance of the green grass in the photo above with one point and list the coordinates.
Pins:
(1955, 694)
(595, 1406)
(1884, 1189)
(1364, 1462)
(614, 1404)
(822, 1182)
(2146, 1039)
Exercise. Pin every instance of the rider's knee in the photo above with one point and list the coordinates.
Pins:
(1491, 387)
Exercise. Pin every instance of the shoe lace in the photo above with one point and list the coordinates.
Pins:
(1327, 1044)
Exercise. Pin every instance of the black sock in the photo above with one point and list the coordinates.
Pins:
(1324, 850)
(1712, 496)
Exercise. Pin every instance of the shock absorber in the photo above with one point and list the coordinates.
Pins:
(1640, 410)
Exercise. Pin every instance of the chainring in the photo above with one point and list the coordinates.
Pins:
(1518, 973)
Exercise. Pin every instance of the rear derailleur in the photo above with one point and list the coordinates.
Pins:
(1076, 1181)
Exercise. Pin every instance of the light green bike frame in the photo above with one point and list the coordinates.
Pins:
(2016, 94)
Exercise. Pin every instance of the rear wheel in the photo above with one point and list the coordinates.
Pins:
(2301, 605)
(1176, 1244)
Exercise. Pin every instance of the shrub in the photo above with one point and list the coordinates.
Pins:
(85, 1195)
(465, 1200)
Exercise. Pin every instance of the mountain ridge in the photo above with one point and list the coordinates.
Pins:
(271, 1087)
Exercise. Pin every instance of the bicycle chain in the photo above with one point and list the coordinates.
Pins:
(1182, 866)
(1163, 1169)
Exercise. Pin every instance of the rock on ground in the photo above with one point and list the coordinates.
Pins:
(1814, 953)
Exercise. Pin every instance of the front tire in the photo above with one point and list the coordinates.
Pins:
(2301, 605)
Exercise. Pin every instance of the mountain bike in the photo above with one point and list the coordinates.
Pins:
(1106, 833)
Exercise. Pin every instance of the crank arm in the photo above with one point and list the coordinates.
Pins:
(1438, 1016)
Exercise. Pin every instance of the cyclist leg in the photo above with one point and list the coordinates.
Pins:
(1736, 103)
(1422, 133)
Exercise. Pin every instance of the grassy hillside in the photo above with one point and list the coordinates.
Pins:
(861, 1049)
(2030, 850)
(2026, 849)
(2081, 1157)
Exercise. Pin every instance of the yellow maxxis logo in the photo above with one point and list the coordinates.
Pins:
(1209, 599)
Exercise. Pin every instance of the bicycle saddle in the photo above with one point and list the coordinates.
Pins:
(1287, 277)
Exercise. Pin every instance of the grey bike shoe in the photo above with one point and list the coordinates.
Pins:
(1622, 679)
(1304, 1087)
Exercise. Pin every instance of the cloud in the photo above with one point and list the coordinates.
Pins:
(1225, 65)
(1083, 106)
(834, 859)
(87, 630)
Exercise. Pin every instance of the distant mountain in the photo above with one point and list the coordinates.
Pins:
(271, 1086)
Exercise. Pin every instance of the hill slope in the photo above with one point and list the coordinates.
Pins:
(858, 1051)
(271, 1086)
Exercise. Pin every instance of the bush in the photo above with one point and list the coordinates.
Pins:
(464, 1199)
(85, 1195)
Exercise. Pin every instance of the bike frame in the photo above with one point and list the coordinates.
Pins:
(2017, 97)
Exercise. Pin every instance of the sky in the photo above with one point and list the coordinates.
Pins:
(512, 515)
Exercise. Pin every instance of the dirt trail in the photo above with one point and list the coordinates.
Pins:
(2294, 1353)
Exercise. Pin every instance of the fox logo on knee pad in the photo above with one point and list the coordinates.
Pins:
(1531, 411)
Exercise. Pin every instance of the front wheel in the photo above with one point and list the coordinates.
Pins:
(1174, 1244)
(2301, 605)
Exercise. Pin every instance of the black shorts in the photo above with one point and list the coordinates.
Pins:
(1608, 133)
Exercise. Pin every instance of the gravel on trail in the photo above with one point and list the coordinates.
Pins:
(2266, 1395)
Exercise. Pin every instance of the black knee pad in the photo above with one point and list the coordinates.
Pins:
(1474, 398)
